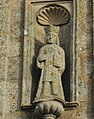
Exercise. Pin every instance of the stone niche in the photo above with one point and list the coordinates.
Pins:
(34, 39)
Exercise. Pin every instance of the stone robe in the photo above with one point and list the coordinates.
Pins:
(51, 60)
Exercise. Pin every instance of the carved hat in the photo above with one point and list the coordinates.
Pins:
(51, 28)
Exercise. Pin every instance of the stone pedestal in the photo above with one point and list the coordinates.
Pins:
(51, 109)
(49, 116)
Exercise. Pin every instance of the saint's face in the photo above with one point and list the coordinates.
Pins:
(51, 38)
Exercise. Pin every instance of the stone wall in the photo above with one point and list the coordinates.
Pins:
(11, 53)
(11, 45)
(84, 59)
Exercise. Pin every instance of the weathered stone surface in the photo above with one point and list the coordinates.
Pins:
(10, 60)
(14, 68)
(17, 115)
(15, 49)
(4, 2)
(3, 43)
(4, 23)
(15, 21)
(11, 32)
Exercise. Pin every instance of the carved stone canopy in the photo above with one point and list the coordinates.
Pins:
(53, 15)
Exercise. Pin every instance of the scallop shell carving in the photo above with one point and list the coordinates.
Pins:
(53, 15)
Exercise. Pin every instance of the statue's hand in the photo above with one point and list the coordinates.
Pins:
(56, 65)
(42, 58)
(56, 59)
(61, 69)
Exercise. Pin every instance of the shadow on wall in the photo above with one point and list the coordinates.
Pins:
(22, 16)
(90, 51)
(35, 71)
(65, 37)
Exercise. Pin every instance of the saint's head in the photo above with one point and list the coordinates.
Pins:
(52, 34)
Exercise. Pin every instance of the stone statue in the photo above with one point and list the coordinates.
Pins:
(49, 102)
(51, 60)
